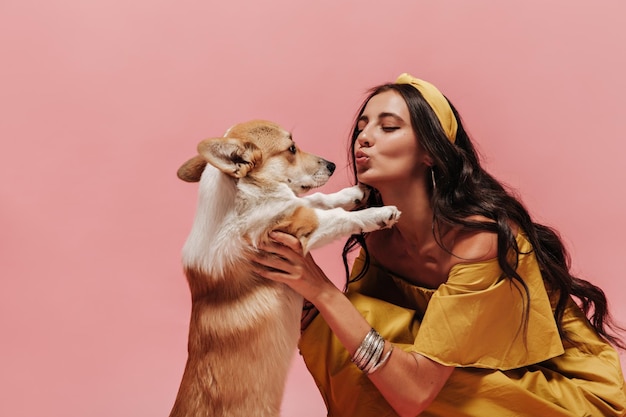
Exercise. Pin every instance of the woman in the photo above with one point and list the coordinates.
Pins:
(470, 300)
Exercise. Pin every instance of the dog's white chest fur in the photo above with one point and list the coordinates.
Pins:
(214, 241)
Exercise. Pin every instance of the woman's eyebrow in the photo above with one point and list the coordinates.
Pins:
(382, 116)
(387, 114)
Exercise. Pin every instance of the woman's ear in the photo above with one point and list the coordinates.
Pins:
(428, 160)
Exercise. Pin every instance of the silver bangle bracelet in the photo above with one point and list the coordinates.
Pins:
(368, 355)
(382, 362)
(375, 357)
(362, 352)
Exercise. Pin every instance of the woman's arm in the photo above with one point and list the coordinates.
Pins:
(408, 381)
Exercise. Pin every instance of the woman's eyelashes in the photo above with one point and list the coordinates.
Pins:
(387, 129)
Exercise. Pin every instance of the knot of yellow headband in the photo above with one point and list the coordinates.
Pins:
(437, 102)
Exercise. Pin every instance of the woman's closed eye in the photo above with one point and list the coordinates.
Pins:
(390, 128)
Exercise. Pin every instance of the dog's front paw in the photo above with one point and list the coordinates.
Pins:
(389, 216)
(376, 218)
(354, 196)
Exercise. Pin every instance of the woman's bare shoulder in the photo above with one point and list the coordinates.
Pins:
(474, 245)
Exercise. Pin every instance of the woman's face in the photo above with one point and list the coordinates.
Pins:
(386, 150)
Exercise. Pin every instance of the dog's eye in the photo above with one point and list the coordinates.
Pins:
(292, 149)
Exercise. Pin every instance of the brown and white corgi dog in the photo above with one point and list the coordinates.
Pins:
(244, 329)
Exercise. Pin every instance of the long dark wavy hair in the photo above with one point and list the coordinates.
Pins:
(464, 189)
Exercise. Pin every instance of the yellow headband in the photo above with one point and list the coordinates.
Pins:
(437, 102)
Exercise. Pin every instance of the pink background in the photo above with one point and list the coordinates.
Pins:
(101, 101)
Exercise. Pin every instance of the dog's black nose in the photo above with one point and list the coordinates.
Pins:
(331, 167)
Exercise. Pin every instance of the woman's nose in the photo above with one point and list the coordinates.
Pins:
(363, 139)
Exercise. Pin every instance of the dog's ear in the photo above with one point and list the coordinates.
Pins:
(232, 156)
(191, 171)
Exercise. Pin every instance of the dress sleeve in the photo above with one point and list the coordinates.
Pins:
(476, 319)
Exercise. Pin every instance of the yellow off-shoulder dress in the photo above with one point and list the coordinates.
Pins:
(474, 321)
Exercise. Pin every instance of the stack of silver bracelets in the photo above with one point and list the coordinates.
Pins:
(368, 356)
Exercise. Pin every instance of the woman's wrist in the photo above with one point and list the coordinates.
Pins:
(325, 295)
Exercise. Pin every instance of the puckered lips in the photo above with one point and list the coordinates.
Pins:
(361, 158)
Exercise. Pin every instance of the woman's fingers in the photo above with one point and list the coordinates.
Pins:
(282, 246)
(274, 257)
(270, 260)
(286, 240)
(279, 259)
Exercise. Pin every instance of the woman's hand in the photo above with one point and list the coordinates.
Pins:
(281, 260)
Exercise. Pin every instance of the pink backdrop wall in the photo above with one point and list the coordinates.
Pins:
(101, 101)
